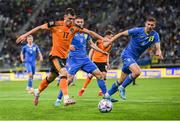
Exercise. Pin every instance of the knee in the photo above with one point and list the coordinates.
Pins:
(99, 76)
(63, 72)
(51, 77)
(136, 74)
(30, 75)
(90, 76)
(70, 78)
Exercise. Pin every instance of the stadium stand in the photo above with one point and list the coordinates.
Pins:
(116, 15)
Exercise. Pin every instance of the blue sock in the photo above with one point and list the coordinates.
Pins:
(30, 82)
(102, 86)
(127, 81)
(114, 88)
(60, 95)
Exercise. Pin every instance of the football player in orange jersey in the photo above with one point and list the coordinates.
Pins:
(101, 60)
(62, 35)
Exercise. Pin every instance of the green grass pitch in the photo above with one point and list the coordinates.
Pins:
(150, 99)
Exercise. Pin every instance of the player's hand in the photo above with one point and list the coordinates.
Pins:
(72, 47)
(159, 54)
(21, 39)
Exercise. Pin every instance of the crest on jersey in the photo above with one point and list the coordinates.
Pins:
(151, 38)
(34, 48)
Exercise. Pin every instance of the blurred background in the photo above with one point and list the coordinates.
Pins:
(19, 16)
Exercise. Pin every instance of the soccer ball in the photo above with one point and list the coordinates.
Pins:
(105, 106)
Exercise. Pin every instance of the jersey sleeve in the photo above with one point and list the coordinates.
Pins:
(88, 38)
(156, 38)
(51, 24)
(133, 31)
(37, 49)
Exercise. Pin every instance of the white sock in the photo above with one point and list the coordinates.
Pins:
(121, 86)
(106, 95)
(66, 97)
(37, 90)
(58, 100)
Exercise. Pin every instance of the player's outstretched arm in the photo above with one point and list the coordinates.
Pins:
(93, 34)
(96, 48)
(23, 37)
(158, 50)
(124, 33)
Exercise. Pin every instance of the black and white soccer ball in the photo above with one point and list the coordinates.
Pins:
(105, 106)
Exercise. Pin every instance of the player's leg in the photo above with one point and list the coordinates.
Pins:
(90, 67)
(72, 68)
(33, 66)
(60, 94)
(135, 72)
(124, 73)
(59, 99)
(30, 82)
(54, 72)
(43, 85)
(104, 77)
(101, 83)
(102, 68)
(117, 83)
(64, 87)
(30, 77)
(86, 83)
(90, 76)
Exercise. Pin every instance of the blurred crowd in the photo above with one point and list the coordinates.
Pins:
(100, 15)
(13, 15)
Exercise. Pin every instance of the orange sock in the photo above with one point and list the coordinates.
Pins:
(88, 80)
(43, 85)
(64, 86)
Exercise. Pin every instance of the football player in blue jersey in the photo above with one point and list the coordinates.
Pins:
(28, 56)
(78, 59)
(141, 39)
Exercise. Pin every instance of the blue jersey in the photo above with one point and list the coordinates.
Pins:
(80, 43)
(30, 53)
(139, 42)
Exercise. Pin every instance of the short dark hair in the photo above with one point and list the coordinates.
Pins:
(108, 32)
(70, 11)
(150, 18)
(79, 16)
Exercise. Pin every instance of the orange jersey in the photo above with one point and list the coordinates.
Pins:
(98, 56)
(61, 38)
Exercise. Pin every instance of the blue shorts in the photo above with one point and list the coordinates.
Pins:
(30, 68)
(127, 61)
(74, 64)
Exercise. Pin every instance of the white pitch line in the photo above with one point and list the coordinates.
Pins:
(137, 101)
